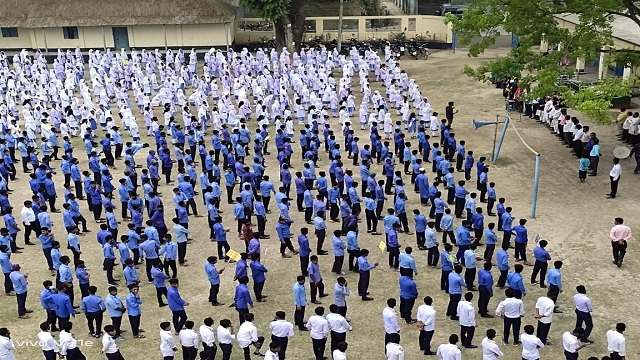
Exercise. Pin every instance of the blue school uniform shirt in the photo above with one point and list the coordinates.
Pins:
(521, 233)
(175, 301)
(456, 283)
(408, 288)
(258, 272)
(133, 304)
(93, 304)
(514, 281)
(242, 297)
(554, 277)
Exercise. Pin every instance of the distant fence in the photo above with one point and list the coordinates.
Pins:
(431, 28)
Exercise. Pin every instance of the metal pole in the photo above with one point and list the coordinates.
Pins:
(340, 27)
(164, 30)
(495, 137)
(534, 191)
(226, 37)
(104, 40)
(502, 135)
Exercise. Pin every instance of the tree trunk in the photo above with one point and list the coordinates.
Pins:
(279, 27)
(296, 19)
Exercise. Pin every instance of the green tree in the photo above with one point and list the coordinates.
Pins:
(533, 21)
(282, 13)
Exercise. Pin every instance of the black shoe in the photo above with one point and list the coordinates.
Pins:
(471, 347)
(366, 298)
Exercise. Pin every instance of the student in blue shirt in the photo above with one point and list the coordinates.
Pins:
(315, 280)
(115, 308)
(500, 210)
(554, 279)
(300, 301)
(133, 302)
(485, 289)
(159, 279)
(421, 225)
(339, 247)
(491, 198)
(46, 301)
(456, 283)
(176, 305)
(407, 263)
(446, 267)
(446, 225)
(490, 240)
(408, 295)
(393, 245)
(515, 282)
(542, 257)
(242, 299)
(304, 250)
(258, 271)
(213, 275)
(284, 235)
(521, 241)
(364, 268)
(83, 278)
(93, 307)
(65, 276)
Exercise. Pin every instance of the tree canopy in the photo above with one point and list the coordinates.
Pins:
(534, 21)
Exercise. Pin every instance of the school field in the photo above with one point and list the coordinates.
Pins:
(575, 218)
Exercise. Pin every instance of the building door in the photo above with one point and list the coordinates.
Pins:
(120, 38)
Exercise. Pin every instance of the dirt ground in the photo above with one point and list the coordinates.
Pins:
(574, 217)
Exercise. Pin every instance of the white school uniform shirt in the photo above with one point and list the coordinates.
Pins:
(545, 308)
(7, 347)
(511, 308)
(109, 345)
(531, 346)
(67, 342)
(281, 328)
(207, 335)
(616, 342)
(390, 321)
(490, 350)
(339, 355)
(448, 352)
(427, 315)
(394, 351)
(167, 344)
(28, 216)
(188, 338)
(570, 343)
(247, 334)
(318, 327)
(47, 342)
(466, 313)
(337, 323)
(224, 335)
(273, 356)
(616, 171)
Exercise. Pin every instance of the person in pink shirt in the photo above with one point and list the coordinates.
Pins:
(619, 236)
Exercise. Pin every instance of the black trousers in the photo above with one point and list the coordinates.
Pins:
(134, 321)
(337, 264)
(466, 335)
(319, 346)
(619, 249)
(282, 343)
(226, 351)
(315, 289)
(406, 308)
(511, 324)
(452, 308)
(553, 292)
(171, 264)
(488, 252)
(363, 283)
(49, 354)
(584, 318)
(159, 292)
(182, 252)
(320, 234)
(337, 338)
(614, 186)
(425, 341)
(353, 257)
(179, 318)
(542, 331)
(189, 353)
(469, 277)
(115, 356)
(394, 257)
(257, 289)
(116, 321)
(484, 295)
(75, 354)
(444, 280)
(298, 317)
(94, 322)
(570, 356)
(520, 251)
(213, 293)
(503, 278)
(51, 319)
(208, 352)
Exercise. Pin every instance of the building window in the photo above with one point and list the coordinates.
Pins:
(9, 32)
(70, 32)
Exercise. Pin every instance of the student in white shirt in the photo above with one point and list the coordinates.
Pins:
(6, 345)
(511, 309)
(449, 351)
(247, 335)
(616, 343)
(318, 330)
(544, 314)
(281, 331)
(189, 340)
(272, 353)
(571, 344)
(338, 326)
(208, 338)
(47, 343)
(426, 317)
(490, 350)
(225, 336)
(531, 345)
(467, 318)
(68, 345)
(109, 346)
(614, 177)
(167, 344)
(341, 352)
(390, 319)
(393, 349)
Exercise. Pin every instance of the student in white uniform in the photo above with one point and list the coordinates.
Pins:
(341, 352)
(167, 343)
(281, 331)
(69, 345)
(449, 351)
(531, 345)
(544, 314)
(189, 341)
(7, 346)
(109, 346)
(426, 317)
(225, 336)
(571, 344)
(318, 330)
(48, 344)
(208, 338)
(394, 350)
(247, 335)
(272, 353)
(490, 349)
(616, 342)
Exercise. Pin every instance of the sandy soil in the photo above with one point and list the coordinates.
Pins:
(574, 217)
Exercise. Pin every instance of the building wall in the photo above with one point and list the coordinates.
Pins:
(149, 36)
